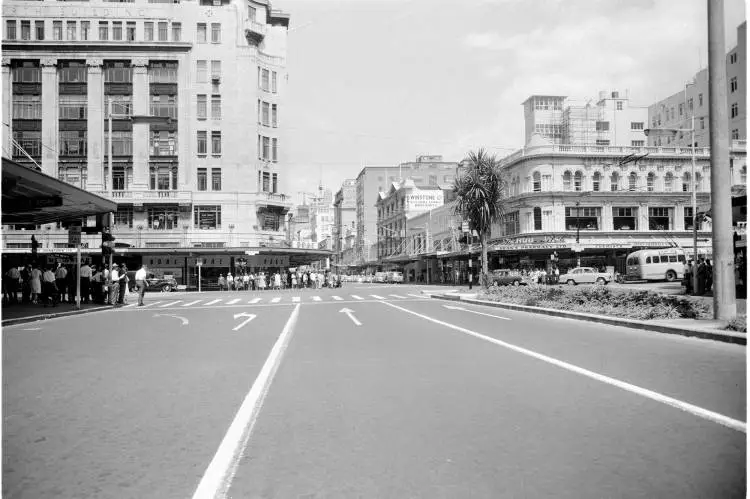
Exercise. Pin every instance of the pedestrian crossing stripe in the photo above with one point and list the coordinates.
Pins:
(337, 298)
(295, 299)
(254, 301)
(276, 300)
(213, 302)
(316, 298)
(271, 300)
(170, 304)
(415, 296)
(232, 302)
(193, 303)
(131, 305)
(152, 304)
(397, 296)
(357, 297)
(378, 297)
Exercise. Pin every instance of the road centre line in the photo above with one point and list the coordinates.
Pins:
(218, 477)
(644, 392)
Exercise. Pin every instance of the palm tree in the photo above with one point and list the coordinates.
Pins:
(480, 194)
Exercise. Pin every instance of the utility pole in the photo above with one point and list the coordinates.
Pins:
(725, 304)
(109, 148)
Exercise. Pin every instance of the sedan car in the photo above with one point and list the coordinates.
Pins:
(164, 284)
(505, 277)
(585, 275)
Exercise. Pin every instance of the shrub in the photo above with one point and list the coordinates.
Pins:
(738, 323)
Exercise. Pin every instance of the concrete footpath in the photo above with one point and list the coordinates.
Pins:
(27, 312)
(698, 328)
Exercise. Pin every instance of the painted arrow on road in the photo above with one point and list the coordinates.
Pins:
(453, 307)
(185, 322)
(350, 313)
(243, 314)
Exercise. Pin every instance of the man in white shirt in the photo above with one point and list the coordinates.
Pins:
(85, 282)
(114, 287)
(140, 283)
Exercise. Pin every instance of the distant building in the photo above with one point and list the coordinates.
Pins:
(344, 216)
(678, 110)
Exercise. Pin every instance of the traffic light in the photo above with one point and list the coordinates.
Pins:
(108, 243)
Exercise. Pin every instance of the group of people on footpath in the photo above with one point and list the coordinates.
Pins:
(705, 272)
(277, 281)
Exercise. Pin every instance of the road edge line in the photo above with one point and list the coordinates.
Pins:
(644, 392)
(220, 473)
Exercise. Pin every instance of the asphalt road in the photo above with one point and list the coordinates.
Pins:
(284, 395)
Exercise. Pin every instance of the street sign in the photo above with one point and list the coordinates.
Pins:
(465, 227)
(251, 253)
(74, 235)
(577, 248)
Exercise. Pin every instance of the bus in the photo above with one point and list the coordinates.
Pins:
(655, 265)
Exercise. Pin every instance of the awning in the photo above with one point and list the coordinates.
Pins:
(33, 197)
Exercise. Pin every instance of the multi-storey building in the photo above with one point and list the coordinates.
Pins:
(344, 215)
(186, 166)
(426, 170)
(612, 120)
(691, 103)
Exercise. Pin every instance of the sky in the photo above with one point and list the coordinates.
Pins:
(382, 82)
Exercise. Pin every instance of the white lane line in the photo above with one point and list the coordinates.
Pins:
(131, 305)
(170, 304)
(357, 297)
(213, 301)
(644, 392)
(416, 296)
(232, 302)
(190, 304)
(316, 298)
(295, 299)
(254, 301)
(452, 307)
(337, 298)
(151, 304)
(219, 475)
(378, 297)
(398, 296)
(276, 300)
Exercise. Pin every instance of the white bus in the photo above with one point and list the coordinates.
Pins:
(655, 265)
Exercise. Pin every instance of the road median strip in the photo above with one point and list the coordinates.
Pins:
(696, 331)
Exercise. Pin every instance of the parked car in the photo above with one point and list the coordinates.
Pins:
(585, 275)
(506, 277)
(164, 284)
(379, 277)
(394, 277)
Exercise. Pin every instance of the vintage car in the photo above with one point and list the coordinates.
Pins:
(164, 284)
(585, 275)
(394, 277)
(505, 277)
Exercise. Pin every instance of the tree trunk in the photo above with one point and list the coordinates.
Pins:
(485, 267)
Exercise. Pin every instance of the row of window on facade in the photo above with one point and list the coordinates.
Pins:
(268, 114)
(268, 182)
(584, 218)
(170, 217)
(71, 71)
(268, 148)
(576, 182)
(76, 107)
(669, 112)
(73, 30)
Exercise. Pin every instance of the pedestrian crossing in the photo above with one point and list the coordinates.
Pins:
(272, 300)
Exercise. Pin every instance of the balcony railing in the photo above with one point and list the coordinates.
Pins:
(148, 196)
(163, 148)
(255, 31)
(164, 110)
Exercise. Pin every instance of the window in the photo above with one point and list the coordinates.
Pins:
(266, 181)
(73, 107)
(201, 32)
(216, 107)
(624, 218)
(176, 32)
(512, 223)
(537, 182)
(274, 116)
(121, 177)
(274, 183)
(690, 103)
(633, 182)
(39, 28)
(688, 217)
(163, 218)
(619, 105)
(681, 108)
(636, 125)
(743, 175)
(637, 143)
(537, 218)
(274, 149)
(735, 134)
(700, 100)
(215, 33)
(73, 143)
(202, 107)
(117, 30)
(578, 182)
(26, 30)
(251, 13)
(164, 106)
(215, 143)
(732, 81)
(615, 182)
(650, 182)
(686, 182)
(596, 181)
(566, 181)
(735, 111)
(161, 176)
(215, 69)
(163, 32)
(31, 142)
(582, 218)
(207, 217)
(215, 179)
(10, 30)
(273, 82)
(57, 30)
(602, 126)
(202, 142)
(124, 216)
(148, 30)
(266, 153)
(202, 71)
(264, 79)
(264, 114)
(202, 179)
(733, 58)
(122, 143)
(28, 107)
(702, 123)
(130, 31)
(668, 180)
(602, 142)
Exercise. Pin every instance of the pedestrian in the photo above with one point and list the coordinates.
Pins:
(12, 283)
(294, 281)
(557, 274)
(709, 275)
(140, 283)
(277, 281)
(701, 284)
(114, 287)
(222, 282)
(230, 281)
(49, 287)
(123, 284)
(36, 284)
(60, 274)
(85, 282)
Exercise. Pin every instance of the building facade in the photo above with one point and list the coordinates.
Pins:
(344, 216)
(612, 120)
(186, 166)
(691, 103)
(426, 170)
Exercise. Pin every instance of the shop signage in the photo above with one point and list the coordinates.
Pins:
(424, 201)
(530, 240)
(74, 235)
(75, 11)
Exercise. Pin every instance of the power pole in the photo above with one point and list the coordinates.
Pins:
(725, 304)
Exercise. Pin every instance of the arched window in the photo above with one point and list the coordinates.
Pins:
(537, 182)
(578, 182)
(566, 181)
(650, 182)
(686, 182)
(597, 180)
(668, 181)
(615, 183)
(698, 182)
(632, 182)
(537, 218)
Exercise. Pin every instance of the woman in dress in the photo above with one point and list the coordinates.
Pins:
(294, 281)
(262, 282)
(36, 284)
(277, 281)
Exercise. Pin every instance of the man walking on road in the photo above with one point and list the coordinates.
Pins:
(140, 284)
